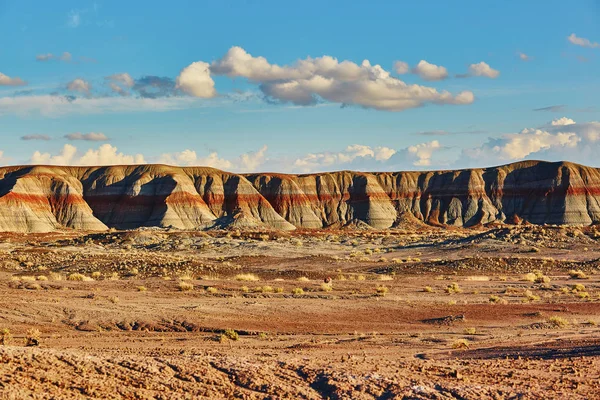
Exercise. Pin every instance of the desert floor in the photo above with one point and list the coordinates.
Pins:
(501, 312)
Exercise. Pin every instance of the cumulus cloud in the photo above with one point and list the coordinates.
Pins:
(420, 155)
(430, 72)
(247, 162)
(401, 67)
(35, 137)
(311, 80)
(120, 83)
(6, 80)
(79, 85)
(104, 155)
(583, 42)
(480, 69)
(561, 139)
(367, 158)
(90, 137)
(195, 80)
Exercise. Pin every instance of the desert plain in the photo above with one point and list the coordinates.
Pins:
(415, 312)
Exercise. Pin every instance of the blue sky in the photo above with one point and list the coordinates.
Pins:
(87, 68)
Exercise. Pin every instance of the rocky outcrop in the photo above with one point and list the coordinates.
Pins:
(45, 198)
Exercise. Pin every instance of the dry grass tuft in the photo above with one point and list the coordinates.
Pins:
(558, 322)
(246, 277)
(185, 286)
(578, 274)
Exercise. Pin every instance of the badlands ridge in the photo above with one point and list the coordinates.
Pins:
(47, 198)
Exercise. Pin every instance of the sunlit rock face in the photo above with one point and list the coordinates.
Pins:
(46, 198)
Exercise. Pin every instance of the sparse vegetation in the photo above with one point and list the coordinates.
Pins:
(461, 344)
(298, 291)
(229, 334)
(185, 286)
(382, 291)
(453, 288)
(142, 288)
(578, 274)
(5, 337)
(247, 277)
(33, 337)
(78, 277)
(558, 322)
(212, 290)
(325, 287)
(428, 289)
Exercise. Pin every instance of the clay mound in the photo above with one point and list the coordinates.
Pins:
(44, 198)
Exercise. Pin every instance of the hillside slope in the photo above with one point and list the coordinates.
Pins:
(46, 198)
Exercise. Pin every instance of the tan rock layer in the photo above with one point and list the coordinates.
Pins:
(45, 198)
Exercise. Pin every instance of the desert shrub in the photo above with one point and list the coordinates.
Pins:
(529, 296)
(245, 289)
(452, 303)
(186, 276)
(303, 279)
(453, 288)
(578, 287)
(113, 299)
(385, 278)
(382, 291)
(461, 344)
(326, 287)
(114, 276)
(229, 334)
(185, 286)
(360, 278)
(246, 277)
(583, 295)
(33, 337)
(298, 291)
(558, 322)
(428, 289)
(96, 275)
(27, 278)
(55, 276)
(470, 331)
(279, 290)
(78, 277)
(142, 288)
(42, 278)
(211, 290)
(5, 337)
(578, 274)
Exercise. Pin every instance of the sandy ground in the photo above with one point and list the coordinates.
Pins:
(500, 313)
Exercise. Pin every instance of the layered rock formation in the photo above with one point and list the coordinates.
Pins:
(44, 198)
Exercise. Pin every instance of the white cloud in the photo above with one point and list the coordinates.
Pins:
(195, 80)
(561, 139)
(482, 69)
(430, 72)
(247, 162)
(583, 42)
(65, 57)
(123, 79)
(309, 80)
(91, 137)
(104, 155)
(401, 67)
(6, 80)
(562, 121)
(421, 153)
(79, 85)
(368, 158)
(525, 57)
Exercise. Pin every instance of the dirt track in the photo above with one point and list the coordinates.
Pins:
(137, 334)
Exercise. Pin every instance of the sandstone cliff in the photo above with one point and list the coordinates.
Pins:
(45, 198)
